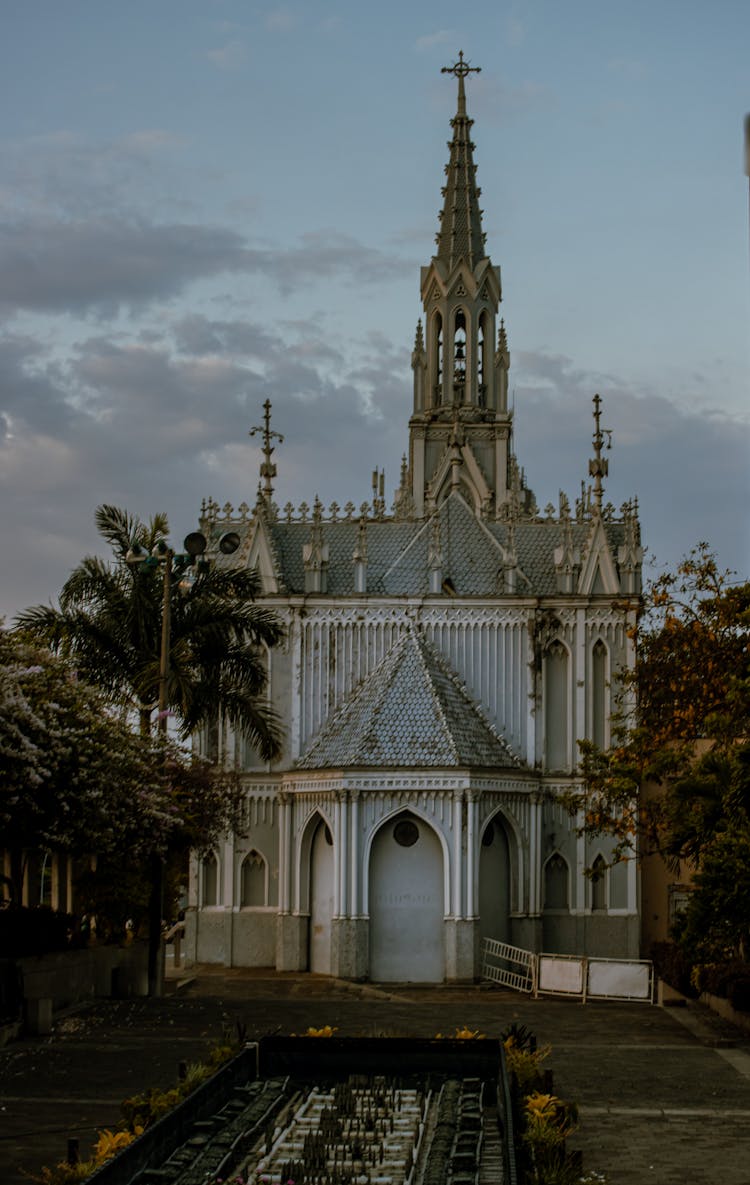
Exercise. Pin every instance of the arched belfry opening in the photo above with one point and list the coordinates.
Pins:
(482, 361)
(459, 356)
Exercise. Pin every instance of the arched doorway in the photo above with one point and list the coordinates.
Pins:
(321, 899)
(494, 883)
(407, 942)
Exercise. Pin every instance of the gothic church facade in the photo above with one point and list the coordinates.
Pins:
(442, 658)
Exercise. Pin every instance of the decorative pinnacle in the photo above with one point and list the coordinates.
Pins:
(267, 469)
(599, 466)
(461, 69)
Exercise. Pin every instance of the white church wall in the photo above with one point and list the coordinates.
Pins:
(334, 649)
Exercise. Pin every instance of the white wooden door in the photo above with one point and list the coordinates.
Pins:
(407, 942)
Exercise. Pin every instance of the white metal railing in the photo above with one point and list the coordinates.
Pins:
(578, 976)
(508, 965)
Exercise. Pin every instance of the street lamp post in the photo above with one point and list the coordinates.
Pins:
(170, 562)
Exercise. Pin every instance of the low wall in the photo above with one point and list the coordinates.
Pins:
(55, 981)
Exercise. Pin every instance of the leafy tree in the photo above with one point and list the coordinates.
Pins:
(676, 780)
(109, 623)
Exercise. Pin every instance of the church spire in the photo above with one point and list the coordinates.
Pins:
(460, 378)
(460, 235)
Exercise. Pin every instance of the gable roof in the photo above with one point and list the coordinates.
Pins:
(412, 710)
(472, 551)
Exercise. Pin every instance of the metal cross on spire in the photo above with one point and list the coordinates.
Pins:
(461, 69)
(598, 465)
(267, 469)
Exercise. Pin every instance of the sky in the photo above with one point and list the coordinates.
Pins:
(207, 203)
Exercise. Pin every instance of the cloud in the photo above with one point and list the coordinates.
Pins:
(497, 103)
(280, 20)
(108, 263)
(515, 32)
(230, 56)
(669, 456)
(439, 37)
(65, 174)
(159, 423)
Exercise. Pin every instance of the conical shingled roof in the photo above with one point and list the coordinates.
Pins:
(460, 235)
(411, 711)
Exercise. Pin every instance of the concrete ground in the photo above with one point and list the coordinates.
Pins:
(664, 1094)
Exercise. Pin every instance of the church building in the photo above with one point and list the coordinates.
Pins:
(443, 656)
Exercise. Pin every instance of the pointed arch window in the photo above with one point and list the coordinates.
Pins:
(482, 361)
(210, 880)
(459, 356)
(598, 885)
(253, 881)
(556, 707)
(437, 359)
(556, 882)
(599, 711)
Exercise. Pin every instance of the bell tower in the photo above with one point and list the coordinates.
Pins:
(459, 432)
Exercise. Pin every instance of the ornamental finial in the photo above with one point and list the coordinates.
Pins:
(267, 469)
(599, 466)
(461, 69)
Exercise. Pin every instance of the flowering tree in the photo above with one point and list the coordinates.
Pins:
(75, 778)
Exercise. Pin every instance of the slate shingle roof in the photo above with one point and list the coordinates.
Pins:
(411, 711)
(397, 553)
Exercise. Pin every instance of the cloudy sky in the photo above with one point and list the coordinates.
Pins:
(204, 203)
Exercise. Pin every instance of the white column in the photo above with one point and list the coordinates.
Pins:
(342, 854)
(471, 809)
(285, 871)
(354, 906)
(534, 852)
(457, 861)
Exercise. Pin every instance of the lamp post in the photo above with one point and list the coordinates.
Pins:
(171, 563)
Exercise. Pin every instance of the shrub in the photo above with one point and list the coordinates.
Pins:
(673, 966)
(729, 980)
(525, 1064)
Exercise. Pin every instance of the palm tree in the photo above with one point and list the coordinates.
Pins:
(109, 622)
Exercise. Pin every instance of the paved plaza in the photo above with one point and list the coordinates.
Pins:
(664, 1094)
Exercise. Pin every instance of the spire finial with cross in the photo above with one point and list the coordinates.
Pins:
(267, 469)
(599, 466)
(461, 69)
